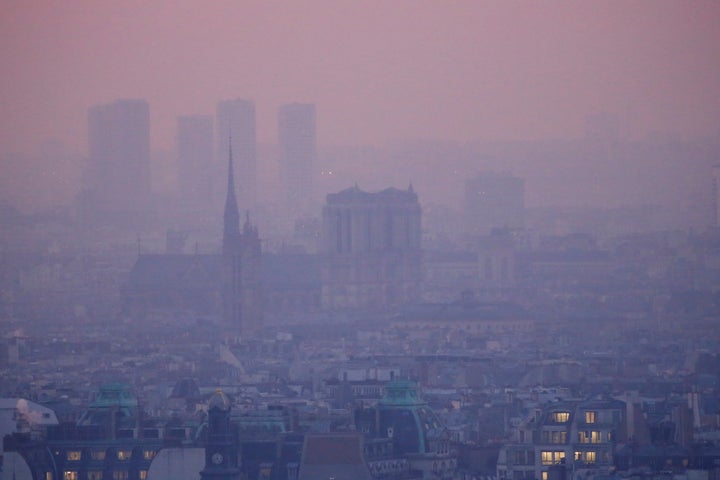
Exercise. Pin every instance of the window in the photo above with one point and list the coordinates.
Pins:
(544, 475)
(98, 454)
(524, 457)
(123, 454)
(587, 457)
(558, 436)
(70, 475)
(74, 455)
(552, 457)
(590, 417)
(143, 474)
(94, 475)
(590, 437)
(120, 475)
(48, 476)
(561, 417)
(149, 454)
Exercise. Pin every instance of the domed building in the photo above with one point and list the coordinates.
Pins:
(411, 428)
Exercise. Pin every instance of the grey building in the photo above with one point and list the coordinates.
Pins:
(116, 186)
(371, 255)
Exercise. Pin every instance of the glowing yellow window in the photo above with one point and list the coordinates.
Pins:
(561, 417)
(70, 475)
(149, 454)
(143, 474)
(123, 454)
(590, 417)
(590, 457)
(74, 455)
(544, 475)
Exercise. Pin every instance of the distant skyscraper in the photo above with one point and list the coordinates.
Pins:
(296, 131)
(236, 119)
(195, 164)
(494, 201)
(117, 183)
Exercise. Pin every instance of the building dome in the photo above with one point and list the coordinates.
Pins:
(219, 401)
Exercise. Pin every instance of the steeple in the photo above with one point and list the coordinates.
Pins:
(231, 217)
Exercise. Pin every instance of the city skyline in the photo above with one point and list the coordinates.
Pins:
(461, 72)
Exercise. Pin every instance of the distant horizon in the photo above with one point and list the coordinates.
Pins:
(462, 71)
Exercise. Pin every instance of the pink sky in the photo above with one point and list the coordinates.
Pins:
(377, 70)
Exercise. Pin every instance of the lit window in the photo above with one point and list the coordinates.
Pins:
(544, 475)
(561, 417)
(70, 475)
(590, 437)
(123, 454)
(120, 475)
(578, 456)
(48, 476)
(590, 417)
(149, 454)
(74, 455)
(552, 457)
(143, 474)
(590, 457)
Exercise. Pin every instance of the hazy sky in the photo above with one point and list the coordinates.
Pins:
(377, 70)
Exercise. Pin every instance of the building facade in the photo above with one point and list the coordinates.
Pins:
(372, 254)
(579, 437)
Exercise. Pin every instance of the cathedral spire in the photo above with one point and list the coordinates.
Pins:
(231, 216)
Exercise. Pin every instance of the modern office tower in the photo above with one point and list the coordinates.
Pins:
(117, 183)
(372, 254)
(494, 201)
(194, 142)
(235, 119)
(296, 131)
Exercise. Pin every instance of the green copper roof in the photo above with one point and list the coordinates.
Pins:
(401, 393)
(115, 395)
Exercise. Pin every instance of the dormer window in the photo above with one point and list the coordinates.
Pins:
(561, 417)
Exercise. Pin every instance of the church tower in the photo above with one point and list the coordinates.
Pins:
(221, 451)
(241, 251)
(231, 216)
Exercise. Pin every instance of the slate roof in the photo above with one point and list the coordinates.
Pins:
(177, 271)
(333, 455)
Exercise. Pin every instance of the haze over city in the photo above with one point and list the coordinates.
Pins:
(377, 71)
(345, 240)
